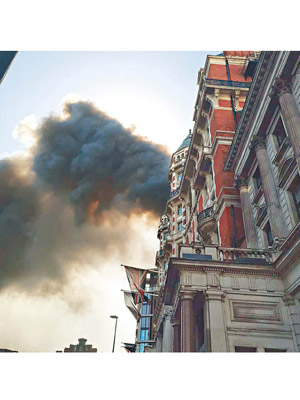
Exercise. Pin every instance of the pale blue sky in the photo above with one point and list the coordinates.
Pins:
(155, 91)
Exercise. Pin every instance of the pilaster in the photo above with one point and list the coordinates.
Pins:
(167, 341)
(294, 318)
(176, 335)
(217, 330)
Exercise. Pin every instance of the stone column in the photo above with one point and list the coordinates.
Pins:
(294, 318)
(276, 218)
(218, 340)
(248, 217)
(187, 322)
(290, 113)
(167, 341)
(176, 335)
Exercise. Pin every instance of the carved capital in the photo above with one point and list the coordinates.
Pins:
(240, 182)
(175, 322)
(258, 142)
(187, 295)
(215, 295)
(281, 86)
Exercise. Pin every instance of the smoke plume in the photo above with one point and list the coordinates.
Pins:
(71, 198)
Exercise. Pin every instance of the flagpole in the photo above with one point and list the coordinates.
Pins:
(128, 291)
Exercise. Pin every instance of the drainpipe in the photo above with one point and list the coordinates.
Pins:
(231, 98)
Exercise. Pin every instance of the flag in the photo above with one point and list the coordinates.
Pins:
(131, 306)
(137, 280)
(130, 348)
(137, 298)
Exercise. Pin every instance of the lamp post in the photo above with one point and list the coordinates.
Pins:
(116, 318)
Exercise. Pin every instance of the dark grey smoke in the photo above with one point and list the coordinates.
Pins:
(94, 159)
(85, 165)
(19, 205)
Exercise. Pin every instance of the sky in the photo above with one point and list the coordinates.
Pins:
(152, 93)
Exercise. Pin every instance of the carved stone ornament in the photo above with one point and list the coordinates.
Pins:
(240, 181)
(258, 141)
(289, 300)
(282, 86)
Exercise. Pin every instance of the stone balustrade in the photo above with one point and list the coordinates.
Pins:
(243, 255)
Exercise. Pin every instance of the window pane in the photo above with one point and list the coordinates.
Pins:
(243, 349)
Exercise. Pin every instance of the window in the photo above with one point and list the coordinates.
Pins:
(275, 350)
(294, 189)
(243, 349)
(279, 132)
(180, 209)
(144, 334)
(180, 227)
(257, 179)
(145, 309)
(179, 177)
(269, 235)
(145, 322)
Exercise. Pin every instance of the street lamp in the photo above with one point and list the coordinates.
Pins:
(116, 318)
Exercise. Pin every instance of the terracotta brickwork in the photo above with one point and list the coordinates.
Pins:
(229, 260)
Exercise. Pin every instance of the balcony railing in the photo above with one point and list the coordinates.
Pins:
(219, 82)
(174, 193)
(207, 213)
(245, 256)
(160, 253)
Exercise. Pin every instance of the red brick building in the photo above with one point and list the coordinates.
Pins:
(225, 283)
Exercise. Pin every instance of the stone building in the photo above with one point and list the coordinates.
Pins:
(80, 347)
(229, 257)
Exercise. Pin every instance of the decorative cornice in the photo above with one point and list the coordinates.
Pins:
(215, 295)
(265, 64)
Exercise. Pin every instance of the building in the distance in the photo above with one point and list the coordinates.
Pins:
(8, 351)
(229, 256)
(80, 347)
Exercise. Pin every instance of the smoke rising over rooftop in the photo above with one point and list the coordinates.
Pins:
(83, 168)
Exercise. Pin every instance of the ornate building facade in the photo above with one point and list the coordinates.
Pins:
(229, 257)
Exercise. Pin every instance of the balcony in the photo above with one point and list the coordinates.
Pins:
(160, 253)
(246, 256)
(207, 224)
(219, 82)
(174, 193)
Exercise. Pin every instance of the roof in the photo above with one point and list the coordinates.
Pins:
(186, 141)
